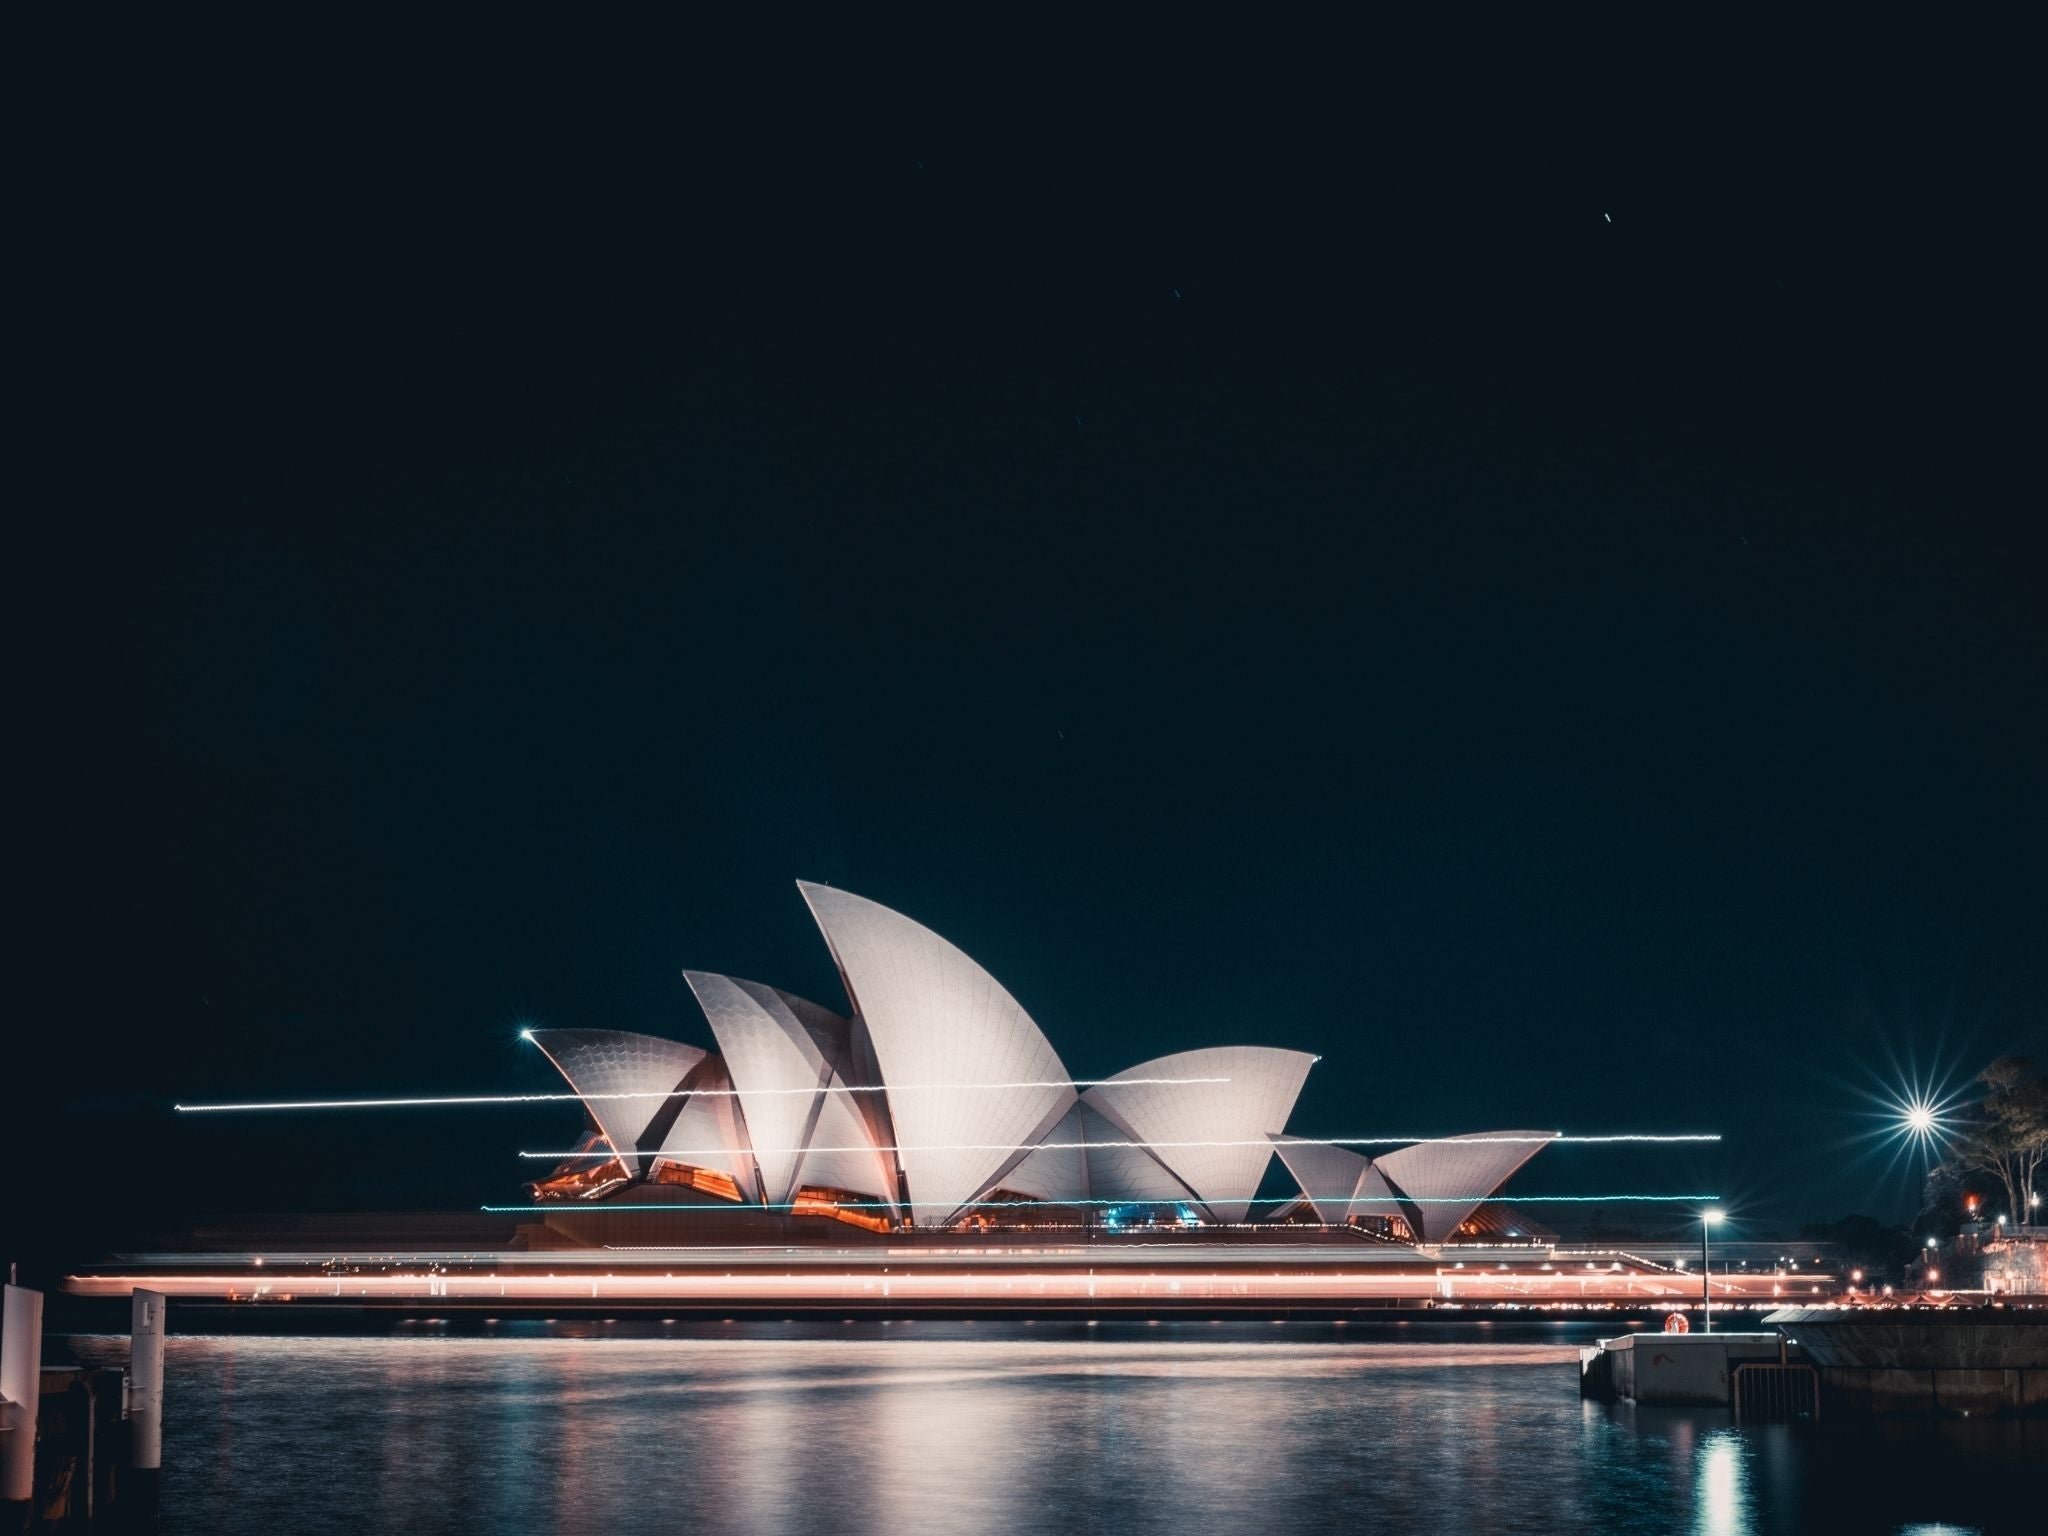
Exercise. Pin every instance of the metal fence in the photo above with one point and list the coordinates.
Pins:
(1767, 1389)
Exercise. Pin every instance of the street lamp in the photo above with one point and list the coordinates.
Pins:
(1709, 1219)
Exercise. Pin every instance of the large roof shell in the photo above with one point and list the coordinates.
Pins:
(843, 1154)
(1087, 1158)
(1375, 1197)
(1056, 1169)
(1213, 1136)
(1329, 1176)
(1441, 1183)
(786, 1057)
(972, 1083)
(709, 1130)
(604, 1064)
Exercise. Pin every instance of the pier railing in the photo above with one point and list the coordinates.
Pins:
(1770, 1389)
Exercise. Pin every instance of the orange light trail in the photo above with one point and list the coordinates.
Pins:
(899, 1287)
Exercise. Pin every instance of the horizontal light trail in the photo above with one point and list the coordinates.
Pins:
(1075, 1146)
(1020, 1288)
(559, 1206)
(670, 1093)
(1627, 1136)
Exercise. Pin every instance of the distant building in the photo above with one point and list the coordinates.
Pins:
(940, 1104)
(2016, 1263)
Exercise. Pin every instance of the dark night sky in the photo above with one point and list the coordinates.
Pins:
(1245, 572)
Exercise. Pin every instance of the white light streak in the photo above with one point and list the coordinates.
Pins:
(1073, 1146)
(666, 1093)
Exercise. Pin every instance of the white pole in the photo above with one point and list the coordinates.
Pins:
(146, 1381)
(21, 1389)
(1706, 1284)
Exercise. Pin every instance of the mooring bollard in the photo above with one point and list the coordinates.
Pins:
(145, 1403)
(21, 1391)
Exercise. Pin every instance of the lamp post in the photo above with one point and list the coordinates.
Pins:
(1709, 1220)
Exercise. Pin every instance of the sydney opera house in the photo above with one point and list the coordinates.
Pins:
(935, 1104)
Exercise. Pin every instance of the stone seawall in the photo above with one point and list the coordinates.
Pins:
(1964, 1362)
(1957, 1392)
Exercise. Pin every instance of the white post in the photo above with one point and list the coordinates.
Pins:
(146, 1381)
(1706, 1281)
(21, 1390)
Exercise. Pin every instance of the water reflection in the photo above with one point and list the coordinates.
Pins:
(1721, 1486)
(1182, 1429)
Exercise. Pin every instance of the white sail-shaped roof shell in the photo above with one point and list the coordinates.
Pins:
(1213, 1136)
(1086, 1158)
(1445, 1181)
(1375, 1197)
(709, 1131)
(603, 1062)
(1329, 1176)
(1118, 1171)
(787, 1057)
(972, 1082)
(843, 1153)
(1057, 1169)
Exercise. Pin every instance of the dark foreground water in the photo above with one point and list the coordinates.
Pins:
(971, 1428)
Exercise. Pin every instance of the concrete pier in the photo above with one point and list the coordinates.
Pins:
(21, 1392)
(145, 1401)
(79, 1448)
(1693, 1369)
(1965, 1362)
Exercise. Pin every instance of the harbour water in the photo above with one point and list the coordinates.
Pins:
(863, 1428)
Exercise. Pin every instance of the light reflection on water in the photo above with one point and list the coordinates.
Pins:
(1721, 1506)
(994, 1428)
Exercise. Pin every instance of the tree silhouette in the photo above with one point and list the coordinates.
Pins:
(2007, 1134)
